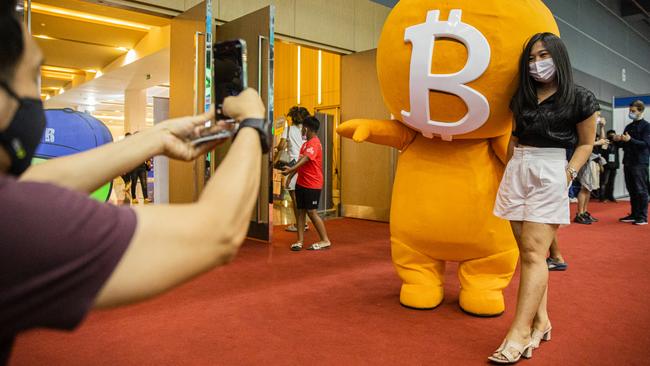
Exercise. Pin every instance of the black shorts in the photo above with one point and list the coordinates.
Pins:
(307, 198)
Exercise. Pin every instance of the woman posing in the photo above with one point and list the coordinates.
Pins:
(551, 114)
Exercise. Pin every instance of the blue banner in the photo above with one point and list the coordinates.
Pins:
(624, 102)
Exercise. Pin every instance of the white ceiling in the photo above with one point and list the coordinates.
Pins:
(105, 94)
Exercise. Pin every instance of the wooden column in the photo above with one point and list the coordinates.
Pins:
(185, 179)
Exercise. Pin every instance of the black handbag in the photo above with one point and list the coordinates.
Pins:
(284, 158)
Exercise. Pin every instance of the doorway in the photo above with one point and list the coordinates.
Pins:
(311, 78)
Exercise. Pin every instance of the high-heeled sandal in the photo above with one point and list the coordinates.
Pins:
(538, 336)
(503, 354)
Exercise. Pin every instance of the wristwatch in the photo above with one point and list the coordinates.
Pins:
(572, 172)
(262, 128)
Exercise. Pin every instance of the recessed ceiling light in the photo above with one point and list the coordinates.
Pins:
(47, 9)
(122, 49)
(42, 36)
(60, 69)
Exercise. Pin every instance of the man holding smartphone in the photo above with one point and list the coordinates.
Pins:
(63, 253)
(635, 142)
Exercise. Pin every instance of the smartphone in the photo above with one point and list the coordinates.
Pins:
(229, 79)
(217, 136)
(229, 68)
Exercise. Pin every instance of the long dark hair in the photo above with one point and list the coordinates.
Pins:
(526, 95)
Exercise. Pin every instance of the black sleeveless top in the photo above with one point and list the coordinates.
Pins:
(546, 125)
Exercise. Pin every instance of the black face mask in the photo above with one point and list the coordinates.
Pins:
(24, 133)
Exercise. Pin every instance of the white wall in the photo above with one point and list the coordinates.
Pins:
(602, 44)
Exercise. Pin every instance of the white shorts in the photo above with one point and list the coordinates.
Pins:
(292, 184)
(589, 175)
(534, 187)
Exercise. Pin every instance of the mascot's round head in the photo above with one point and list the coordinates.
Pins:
(449, 68)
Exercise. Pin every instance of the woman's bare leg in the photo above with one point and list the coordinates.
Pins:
(534, 240)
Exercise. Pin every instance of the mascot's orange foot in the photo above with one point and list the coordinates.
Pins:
(423, 297)
(482, 303)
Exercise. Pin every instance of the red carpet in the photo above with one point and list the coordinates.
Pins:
(340, 307)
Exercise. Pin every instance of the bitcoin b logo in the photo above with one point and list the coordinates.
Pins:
(422, 38)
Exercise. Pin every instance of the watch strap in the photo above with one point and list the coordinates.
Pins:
(572, 172)
(262, 128)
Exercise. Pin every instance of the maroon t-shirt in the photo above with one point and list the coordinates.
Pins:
(57, 249)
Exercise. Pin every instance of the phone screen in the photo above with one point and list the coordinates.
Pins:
(229, 72)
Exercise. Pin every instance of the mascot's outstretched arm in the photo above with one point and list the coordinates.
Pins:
(382, 132)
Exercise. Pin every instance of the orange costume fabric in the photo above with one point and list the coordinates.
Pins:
(445, 186)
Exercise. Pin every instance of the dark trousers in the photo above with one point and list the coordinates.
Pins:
(607, 179)
(142, 175)
(636, 181)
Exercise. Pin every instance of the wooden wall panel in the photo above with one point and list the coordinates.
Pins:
(231, 9)
(286, 78)
(365, 162)
(344, 24)
(331, 79)
(327, 22)
(309, 77)
(183, 177)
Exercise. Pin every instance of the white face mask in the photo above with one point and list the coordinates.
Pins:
(542, 71)
(634, 116)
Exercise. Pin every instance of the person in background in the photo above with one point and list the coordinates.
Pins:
(126, 177)
(574, 187)
(309, 185)
(555, 260)
(589, 176)
(295, 140)
(636, 147)
(140, 173)
(607, 179)
(62, 252)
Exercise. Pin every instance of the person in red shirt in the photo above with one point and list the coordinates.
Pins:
(309, 185)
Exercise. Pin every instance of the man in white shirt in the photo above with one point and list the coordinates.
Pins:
(294, 143)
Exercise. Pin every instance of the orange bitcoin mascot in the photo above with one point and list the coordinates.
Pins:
(447, 71)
